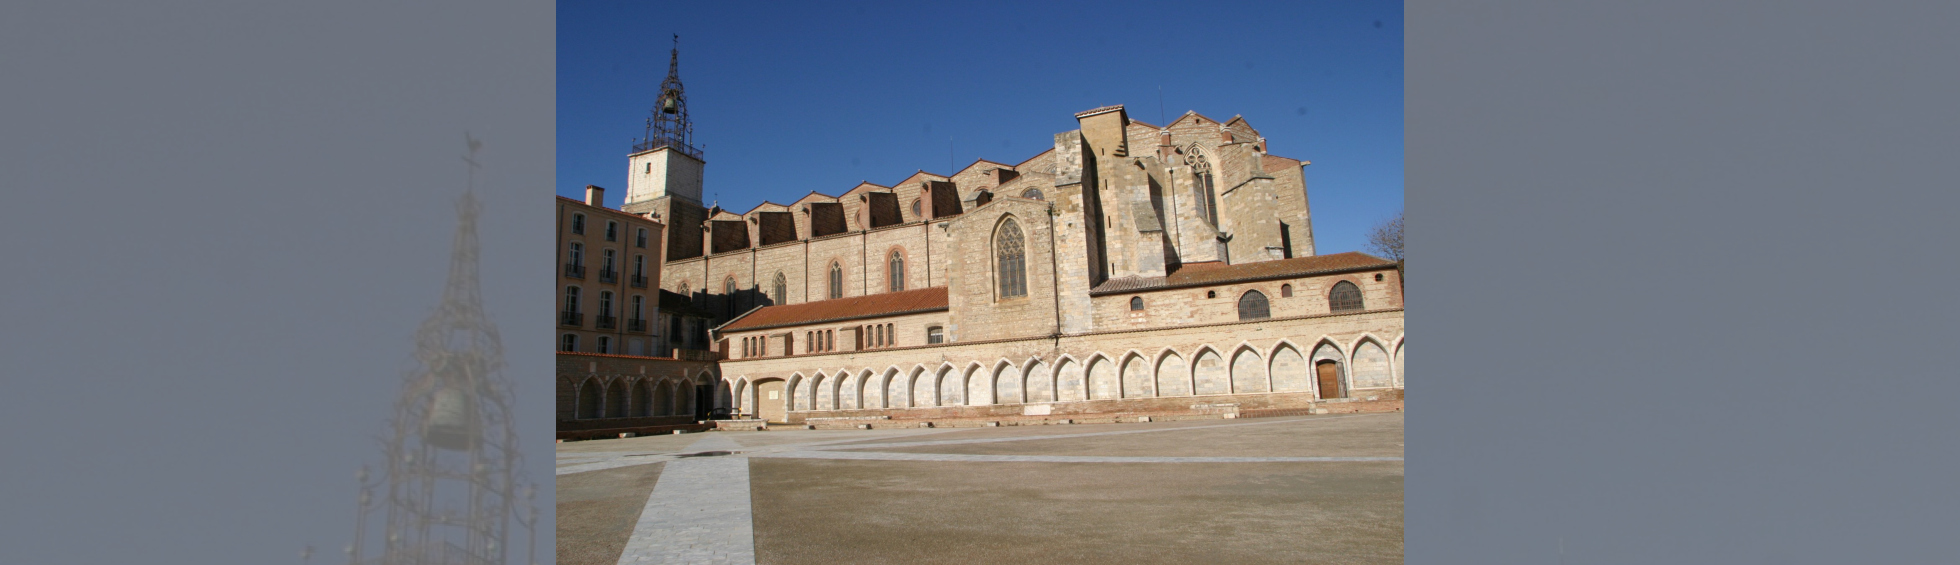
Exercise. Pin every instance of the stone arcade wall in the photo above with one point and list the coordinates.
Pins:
(1256, 364)
(616, 378)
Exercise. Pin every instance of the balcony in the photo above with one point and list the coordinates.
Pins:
(575, 270)
(639, 281)
(608, 276)
(573, 319)
(605, 322)
(636, 325)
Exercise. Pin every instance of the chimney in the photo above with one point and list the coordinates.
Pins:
(595, 196)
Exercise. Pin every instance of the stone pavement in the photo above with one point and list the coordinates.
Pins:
(699, 512)
(700, 509)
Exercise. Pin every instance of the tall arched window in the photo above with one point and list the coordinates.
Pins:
(1252, 306)
(578, 224)
(576, 254)
(568, 342)
(1010, 260)
(1345, 297)
(897, 272)
(639, 307)
(836, 280)
(728, 293)
(605, 303)
(1201, 183)
(571, 299)
(641, 240)
(779, 289)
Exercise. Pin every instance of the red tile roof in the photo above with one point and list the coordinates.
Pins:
(856, 307)
(1214, 272)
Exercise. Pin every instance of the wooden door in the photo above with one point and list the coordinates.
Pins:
(1330, 379)
(770, 401)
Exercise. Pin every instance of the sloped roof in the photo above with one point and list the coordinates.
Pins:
(857, 307)
(1215, 272)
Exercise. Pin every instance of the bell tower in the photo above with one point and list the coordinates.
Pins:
(665, 161)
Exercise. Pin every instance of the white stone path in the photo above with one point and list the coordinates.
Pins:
(700, 511)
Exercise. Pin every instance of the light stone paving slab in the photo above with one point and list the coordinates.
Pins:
(1088, 434)
(880, 456)
(700, 509)
(699, 512)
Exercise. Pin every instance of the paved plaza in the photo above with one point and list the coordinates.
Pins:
(1308, 489)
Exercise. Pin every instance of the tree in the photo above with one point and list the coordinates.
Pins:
(1386, 238)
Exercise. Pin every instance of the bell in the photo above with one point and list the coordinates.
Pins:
(668, 105)
(449, 424)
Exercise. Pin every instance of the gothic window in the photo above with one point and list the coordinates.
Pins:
(1034, 193)
(641, 240)
(612, 231)
(779, 290)
(836, 280)
(1345, 297)
(568, 342)
(728, 294)
(897, 272)
(1136, 303)
(1010, 260)
(1252, 306)
(578, 224)
(1201, 186)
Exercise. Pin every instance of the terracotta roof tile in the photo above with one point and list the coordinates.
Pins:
(1214, 272)
(874, 306)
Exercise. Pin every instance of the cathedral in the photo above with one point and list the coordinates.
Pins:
(1129, 269)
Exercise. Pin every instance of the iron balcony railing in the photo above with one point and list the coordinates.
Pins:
(658, 141)
(639, 281)
(571, 318)
(575, 270)
(636, 325)
(608, 276)
(604, 322)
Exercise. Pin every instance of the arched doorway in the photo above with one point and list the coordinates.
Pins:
(771, 401)
(1329, 375)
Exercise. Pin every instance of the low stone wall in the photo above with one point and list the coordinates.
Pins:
(741, 425)
(613, 433)
(1164, 407)
(612, 423)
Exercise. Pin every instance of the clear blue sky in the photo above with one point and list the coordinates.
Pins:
(788, 99)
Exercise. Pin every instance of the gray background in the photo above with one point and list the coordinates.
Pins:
(1682, 267)
(223, 222)
(1684, 270)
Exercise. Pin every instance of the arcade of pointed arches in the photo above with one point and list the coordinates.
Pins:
(636, 396)
(1325, 367)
